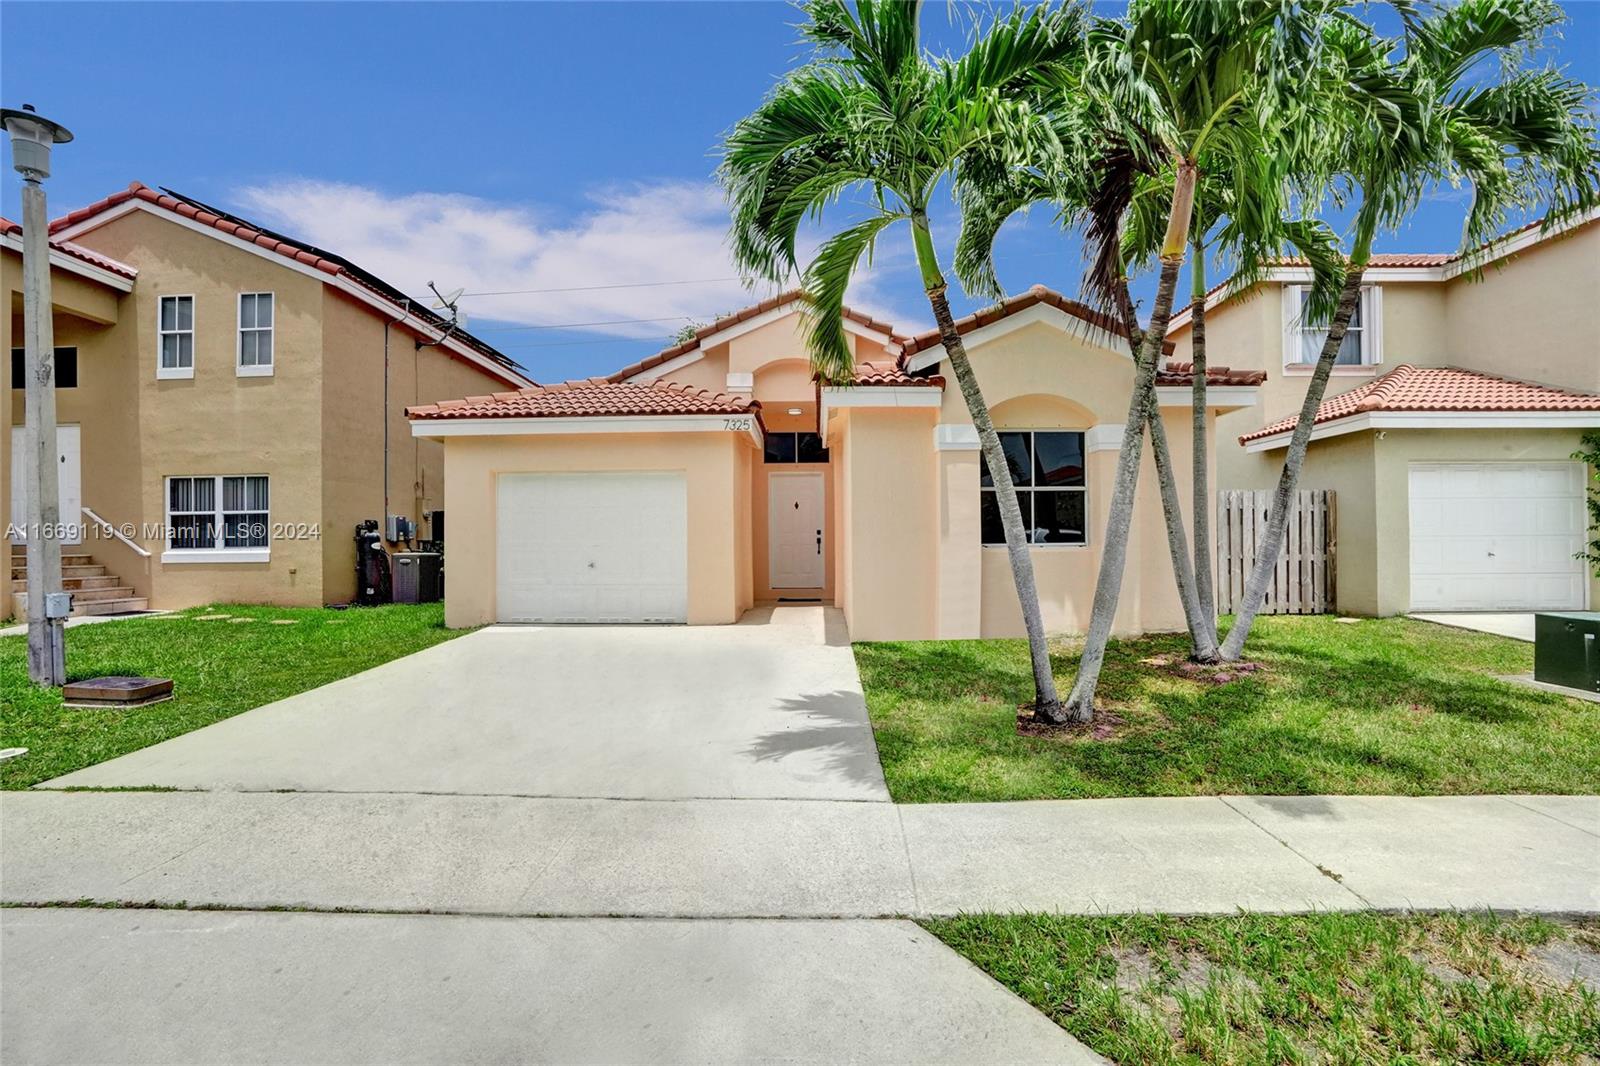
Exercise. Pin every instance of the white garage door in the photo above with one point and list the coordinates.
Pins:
(592, 548)
(1496, 536)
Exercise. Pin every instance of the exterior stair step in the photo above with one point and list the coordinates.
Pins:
(121, 604)
(85, 570)
(73, 584)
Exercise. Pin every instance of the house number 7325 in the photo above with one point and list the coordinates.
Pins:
(736, 425)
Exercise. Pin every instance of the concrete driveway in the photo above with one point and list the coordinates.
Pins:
(770, 708)
(1517, 625)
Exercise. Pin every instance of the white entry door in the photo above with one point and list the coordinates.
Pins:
(1496, 536)
(592, 548)
(794, 530)
(69, 488)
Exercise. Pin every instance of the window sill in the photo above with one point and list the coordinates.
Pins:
(1039, 547)
(253, 371)
(1342, 371)
(217, 555)
(174, 373)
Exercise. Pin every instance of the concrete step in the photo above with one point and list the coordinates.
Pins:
(120, 604)
(110, 592)
(73, 584)
(20, 558)
(84, 570)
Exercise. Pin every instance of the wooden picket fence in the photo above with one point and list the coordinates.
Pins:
(1303, 581)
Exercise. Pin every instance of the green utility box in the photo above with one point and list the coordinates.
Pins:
(1566, 649)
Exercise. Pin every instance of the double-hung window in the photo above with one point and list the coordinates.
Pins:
(1304, 337)
(217, 518)
(255, 334)
(175, 337)
(1047, 468)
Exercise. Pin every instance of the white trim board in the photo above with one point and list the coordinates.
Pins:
(836, 396)
(339, 281)
(434, 428)
(1216, 395)
(1435, 420)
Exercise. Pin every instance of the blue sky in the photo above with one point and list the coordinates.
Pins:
(488, 146)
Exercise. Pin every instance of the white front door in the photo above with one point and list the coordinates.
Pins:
(592, 548)
(1496, 536)
(794, 529)
(69, 488)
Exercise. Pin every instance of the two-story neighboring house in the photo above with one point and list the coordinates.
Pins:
(231, 404)
(1449, 424)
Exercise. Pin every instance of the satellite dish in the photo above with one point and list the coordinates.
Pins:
(447, 301)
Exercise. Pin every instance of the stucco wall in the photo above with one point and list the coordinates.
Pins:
(715, 466)
(890, 558)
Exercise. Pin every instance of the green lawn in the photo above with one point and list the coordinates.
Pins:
(1325, 988)
(1377, 706)
(220, 667)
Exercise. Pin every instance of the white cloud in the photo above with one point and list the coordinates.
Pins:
(663, 231)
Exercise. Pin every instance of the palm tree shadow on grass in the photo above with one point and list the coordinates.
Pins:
(829, 726)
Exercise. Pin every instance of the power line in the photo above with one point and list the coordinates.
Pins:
(587, 325)
(594, 288)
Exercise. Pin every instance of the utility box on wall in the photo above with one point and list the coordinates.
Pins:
(1566, 649)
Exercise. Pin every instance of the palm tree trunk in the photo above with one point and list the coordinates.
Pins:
(1047, 704)
(1255, 589)
(1202, 627)
(1204, 561)
(1114, 556)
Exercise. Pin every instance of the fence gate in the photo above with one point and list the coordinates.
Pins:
(1303, 580)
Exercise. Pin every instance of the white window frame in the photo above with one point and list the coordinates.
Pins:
(161, 334)
(1371, 332)
(218, 553)
(1088, 522)
(259, 370)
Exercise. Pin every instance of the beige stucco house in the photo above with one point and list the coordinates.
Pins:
(717, 474)
(214, 381)
(1450, 422)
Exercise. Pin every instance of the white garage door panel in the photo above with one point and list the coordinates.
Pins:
(1496, 536)
(592, 548)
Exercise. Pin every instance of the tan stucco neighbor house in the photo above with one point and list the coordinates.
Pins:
(1450, 423)
(216, 381)
(718, 474)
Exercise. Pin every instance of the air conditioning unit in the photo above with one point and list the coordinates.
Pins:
(418, 577)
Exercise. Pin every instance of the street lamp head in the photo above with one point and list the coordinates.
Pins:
(31, 138)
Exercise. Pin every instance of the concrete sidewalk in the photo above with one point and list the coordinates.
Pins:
(776, 858)
(166, 986)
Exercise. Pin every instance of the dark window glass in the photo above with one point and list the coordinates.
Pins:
(993, 531)
(1057, 459)
(1058, 518)
(780, 448)
(194, 531)
(66, 368)
(1015, 446)
(811, 449)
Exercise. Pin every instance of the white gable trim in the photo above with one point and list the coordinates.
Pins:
(745, 424)
(1039, 312)
(1216, 395)
(73, 265)
(835, 397)
(1434, 420)
(338, 281)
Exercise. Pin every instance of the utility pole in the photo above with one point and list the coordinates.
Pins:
(48, 607)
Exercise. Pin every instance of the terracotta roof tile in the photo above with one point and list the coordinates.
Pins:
(1439, 388)
(1183, 374)
(591, 398)
(289, 248)
(76, 251)
(769, 304)
(891, 373)
(1036, 295)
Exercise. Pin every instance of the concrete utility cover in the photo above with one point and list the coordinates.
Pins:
(767, 709)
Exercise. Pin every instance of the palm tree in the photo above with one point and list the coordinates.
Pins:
(1170, 89)
(1524, 138)
(873, 112)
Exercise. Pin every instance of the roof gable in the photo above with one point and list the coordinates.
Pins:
(1038, 304)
